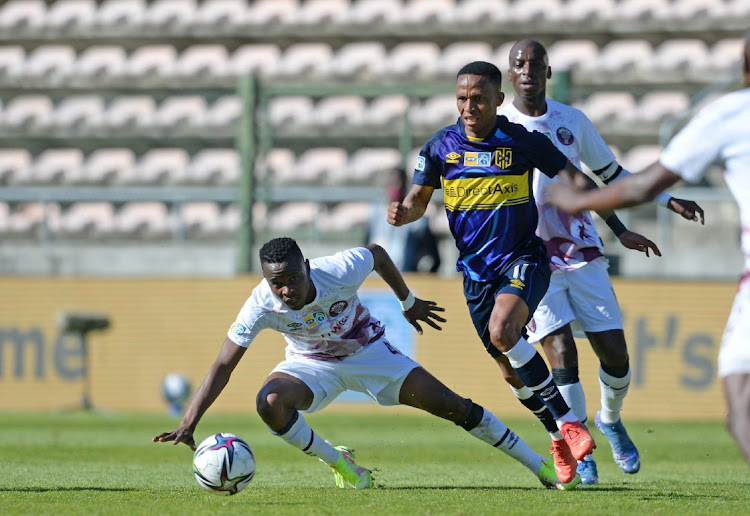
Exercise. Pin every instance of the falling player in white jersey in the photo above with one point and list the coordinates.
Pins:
(720, 132)
(580, 288)
(334, 344)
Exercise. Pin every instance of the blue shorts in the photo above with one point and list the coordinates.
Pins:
(526, 277)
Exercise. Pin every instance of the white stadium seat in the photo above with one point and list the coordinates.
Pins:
(175, 112)
(677, 55)
(346, 216)
(130, 111)
(252, 59)
(314, 13)
(224, 113)
(299, 60)
(105, 166)
(269, 13)
(279, 166)
(86, 220)
(77, 111)
(170, 14)
(421, 12)
(26, 111)
(293, 215)
(338, 110)
(151, 60)
(636, 10)
(407, 60)
(571, 54)
(214, 167)
(56, 166)
(100, 61)
(143, 220)
(581, 11)
(218, 14)
(293, 110)
(455, 55)
(435, 112)
(354, 60)
(533, 11)
(619, 56)
(201, 61)
(161, 166)
(14, 165)
(472, 12)
(603, 107)
(315, 165)
(120, 14)
(641, 156)
(49, 61)
(26, 14)
(70, 14)
(200, 219)
(12, 59)
(369, 166)
(372, 13)
(656, 106)
(385, 111)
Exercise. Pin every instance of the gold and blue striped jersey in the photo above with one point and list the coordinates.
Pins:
(487, 189)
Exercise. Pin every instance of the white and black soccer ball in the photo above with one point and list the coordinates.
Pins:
(224, 464)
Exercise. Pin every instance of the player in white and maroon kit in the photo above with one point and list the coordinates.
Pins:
(580, 288)
(720, 132)
(334, 344)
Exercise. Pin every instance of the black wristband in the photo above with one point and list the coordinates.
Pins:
(616, 225)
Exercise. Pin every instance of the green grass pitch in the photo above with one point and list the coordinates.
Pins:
(89, 463)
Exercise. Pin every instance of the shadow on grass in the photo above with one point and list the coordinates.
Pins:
(39, 489)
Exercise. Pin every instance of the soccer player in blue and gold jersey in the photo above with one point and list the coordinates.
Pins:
(485, 166)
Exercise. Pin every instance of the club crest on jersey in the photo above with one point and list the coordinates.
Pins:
(565, 136)
(337, 308)
(477, 159)
(452, 157)
(314, 319)
(504, 157)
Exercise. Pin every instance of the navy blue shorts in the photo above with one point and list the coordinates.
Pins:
(526, 277)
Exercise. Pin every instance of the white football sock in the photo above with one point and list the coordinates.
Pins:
(494, 432)
(614, 391)
(301, 436)
(573, 395)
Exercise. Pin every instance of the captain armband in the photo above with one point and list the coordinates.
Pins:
(609, 173)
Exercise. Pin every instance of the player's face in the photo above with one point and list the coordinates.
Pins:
(290, 282)
(477, 100)
(529, 70)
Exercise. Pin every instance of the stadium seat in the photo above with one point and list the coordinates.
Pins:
(385, 111)
(314, 165)
(690, 9)
(435, 112)
(300, 60)
(636, 10)
(86, 220)
(160, 166)
(252, 59)
(219, 14)
(176, 112)
(26, 220)
(229, 223)
(105, 166)
(130, 111)
(315, 13)
(737, 9)
(346, 216)
(151, 60)
(105, 61)
(199, 219)
(338, 111)
(71, 14)
(14, 165)
(22, 14)
(26, 111)
(421, 12)
(77, 112)
(656, 106)
(201, 61)
(723, 57)
(52, 62)
(214, 167)
(293, 215)
(121, 15)
(570, 54)
(12, 59)
(618, 56)
(472, 12)
(278, 166)
(224, 113)
(354, 60)
(603, 107)
(408, 60)
(174, 15)
(456, 55)
(534, 11)
(582, 11)
(294, 110)
(270, 13)
(676, 56)
(144, 220)
(368, 166)
(641, 156)
(372, 13)
(56, 166)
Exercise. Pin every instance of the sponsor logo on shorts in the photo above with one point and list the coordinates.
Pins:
(337, 308)
(421, 163)
(452, 157)
(314, 319)
(517, 283)
(237, 328)
(565, 136)
(294, 325)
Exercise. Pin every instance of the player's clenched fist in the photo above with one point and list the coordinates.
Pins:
(397, 214)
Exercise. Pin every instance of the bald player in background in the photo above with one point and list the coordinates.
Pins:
(720, 132)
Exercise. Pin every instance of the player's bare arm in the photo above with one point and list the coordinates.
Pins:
(412, 207)
(212, 385)
(421, 310)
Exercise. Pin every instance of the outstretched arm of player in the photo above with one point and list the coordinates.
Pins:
(412, 207)
(209, 390)
(631, 191)
(414, 309)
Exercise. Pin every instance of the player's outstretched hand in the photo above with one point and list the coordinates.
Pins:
(181, 435)
(397, 214)
(424, 311)
(686, 209)
(638, 242)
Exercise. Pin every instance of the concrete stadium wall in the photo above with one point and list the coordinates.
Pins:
(177, 325)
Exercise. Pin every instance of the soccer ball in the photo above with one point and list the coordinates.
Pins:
(175, 388)
(224, 464)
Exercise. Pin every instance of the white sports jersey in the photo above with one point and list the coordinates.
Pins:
(571, 240)
(720, 132)
(332, 327)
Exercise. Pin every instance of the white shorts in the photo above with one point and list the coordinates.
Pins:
(734, 354)
(378, 370)
(584, 294)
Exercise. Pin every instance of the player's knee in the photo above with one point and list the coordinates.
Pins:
(267, 402)
(616, 358)
(504, 335)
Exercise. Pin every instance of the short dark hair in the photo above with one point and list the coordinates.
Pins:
(280, 250)
(484, 69)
